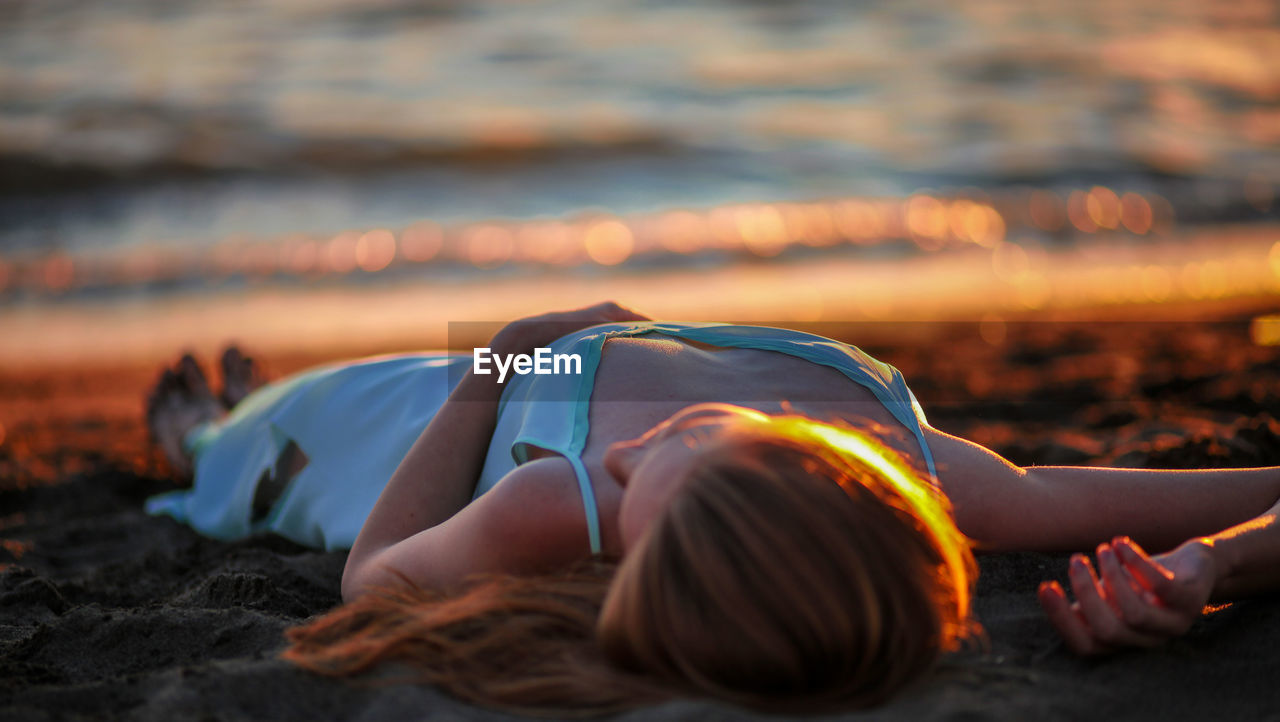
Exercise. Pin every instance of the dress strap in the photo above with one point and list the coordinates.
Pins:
(588, 502)
(578, 436)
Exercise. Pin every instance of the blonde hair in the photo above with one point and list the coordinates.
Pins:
(802, 566)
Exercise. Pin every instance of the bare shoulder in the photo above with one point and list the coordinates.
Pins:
(532, 521)
(540, 499)
(987, 493)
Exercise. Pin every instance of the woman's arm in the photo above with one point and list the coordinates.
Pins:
(1247, 557)
(1141, 600)
(1130, 599)
(1004, 507)
(434, 480)
(437, 477)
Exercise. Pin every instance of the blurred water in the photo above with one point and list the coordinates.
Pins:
(151, 124)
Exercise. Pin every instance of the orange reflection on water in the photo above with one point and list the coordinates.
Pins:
(299, 254)
(762, 230)
(1156, 283)
(1103, 207)
(976, 222)
(137, 268)
(958, 218)
(1046, 210)
(341, 252)
(682, 231)
(247, 256)
(967, 282)
(608, 242)
(224, 257)
(1242, 59)
(58, 272)
(1078, 212)
(934, 222)
(488, 246)
(1032, 290)
(858, 220)
(810, 223)
(375, 250)
(1162, 215)
(421, 242)
(1135, 213)
(723, 223)
(1205, 279)
(926, 219)
(1009, 260)
(549, 242)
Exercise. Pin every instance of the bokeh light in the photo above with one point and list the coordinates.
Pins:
(762, 230)
(1078, 212)
(608, 242)
(488, 246)
(1103, 207)
(1046, 210)
(1135, 213)
(375, 250)
(682, 232)
(421, 242)
(340, 255)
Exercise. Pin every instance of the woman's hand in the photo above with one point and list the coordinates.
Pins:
(526, 334)
(1139, 601)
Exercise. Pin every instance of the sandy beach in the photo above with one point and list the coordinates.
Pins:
(106, 613)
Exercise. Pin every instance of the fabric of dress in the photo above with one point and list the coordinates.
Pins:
(355, 421)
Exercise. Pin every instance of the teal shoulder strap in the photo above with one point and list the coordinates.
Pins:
(581, 426)
(588, 502)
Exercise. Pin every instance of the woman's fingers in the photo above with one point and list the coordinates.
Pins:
(1139, 608)
(1085, 585)
(1138, 601)
(603, 312)
(614, 312)
(522, 335)
(1065, 617)
(1149, 573)
(1104, 619)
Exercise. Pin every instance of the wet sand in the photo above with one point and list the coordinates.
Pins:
(106, 613)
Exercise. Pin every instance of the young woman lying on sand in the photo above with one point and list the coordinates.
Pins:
(590, 542)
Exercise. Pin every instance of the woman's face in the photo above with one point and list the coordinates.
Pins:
(653, 467)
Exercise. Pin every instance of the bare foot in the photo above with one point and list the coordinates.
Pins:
(240, 376)
(180, 401)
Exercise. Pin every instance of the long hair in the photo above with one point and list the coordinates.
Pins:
(803, 566)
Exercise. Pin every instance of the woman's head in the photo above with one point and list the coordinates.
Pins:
(776, 562)
(780, 562)
(653, 468)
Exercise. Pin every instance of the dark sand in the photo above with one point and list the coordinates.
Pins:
(106, 613)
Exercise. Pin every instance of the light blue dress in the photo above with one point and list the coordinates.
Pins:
(355, 421)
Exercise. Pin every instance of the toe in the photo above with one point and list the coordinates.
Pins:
(231, 359)
(252, 373)
(240, 375)
(192, 377)
(163, 387)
